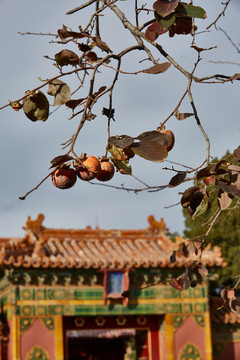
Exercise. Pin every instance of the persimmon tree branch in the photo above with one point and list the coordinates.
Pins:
(48, 82)
(222, 13)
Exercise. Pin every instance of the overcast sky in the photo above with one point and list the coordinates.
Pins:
(141, 102)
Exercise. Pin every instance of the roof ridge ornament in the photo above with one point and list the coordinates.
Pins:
(156, 226)
(34, 228)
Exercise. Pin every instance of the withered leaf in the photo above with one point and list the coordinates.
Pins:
(205, 172)
(90, 116)
(182, 116)
(198, 49)
(100, 90)
(199, 204)
(234, 173)
(235, 305)
(66, 57)
(72, 104)
(122, 141)
(59, 160)
(177, 179)
(84, 47)
(175, 284)
(165, 7)
(237, 153)
(228, 187)
(157, 69)
(192, 248)
(202, 270)
(187, 196)
(184, 282)
(153, 31)
(15, 105)
(101, 44)
(60, 90)
(91, 57)
(223, 294)
(182, 26)
(64, 33)
(150, 150)
(36, 106)
(108, 112)
(224, 199)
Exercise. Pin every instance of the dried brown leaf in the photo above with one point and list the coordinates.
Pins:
(101, 44)
(177, 179)
(182, 116)
(66, 57)
(165, 7)
(237, 153)
(157, 69)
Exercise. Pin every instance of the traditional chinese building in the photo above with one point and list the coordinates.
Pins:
(61, 297)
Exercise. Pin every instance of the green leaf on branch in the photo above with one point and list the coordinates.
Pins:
(36, 106)
(150, 150)
(165, 7)
(201, 208)
(117, 153)
(60, 90)
(123, 166)
(190, 11)
(157, 69)
(166, 21)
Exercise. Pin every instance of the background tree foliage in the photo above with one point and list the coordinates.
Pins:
(225, 233)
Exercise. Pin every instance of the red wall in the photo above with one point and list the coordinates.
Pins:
(189, 331)
(230, 352)
(37, 335)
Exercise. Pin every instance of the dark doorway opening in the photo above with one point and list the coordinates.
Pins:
(105, 345)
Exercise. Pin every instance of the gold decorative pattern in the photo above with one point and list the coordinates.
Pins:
(37, 353)
(141, 320)
(79, 321)
(121, 320)
(100, 320)
(190, 352)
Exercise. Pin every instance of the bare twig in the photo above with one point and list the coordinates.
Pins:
(36, 187)
(222, 13)
(80, 7)
(47, 82)
(231, 41)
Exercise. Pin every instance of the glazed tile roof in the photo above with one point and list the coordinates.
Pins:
(95, 248)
